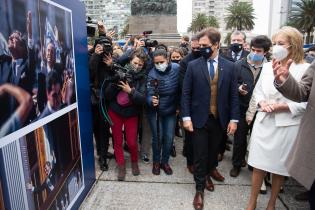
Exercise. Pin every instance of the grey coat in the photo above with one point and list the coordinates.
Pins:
(301, 161)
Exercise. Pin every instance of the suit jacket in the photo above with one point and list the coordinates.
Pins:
(196, 92)
(300, 162)
(25, 80)
(229, 57)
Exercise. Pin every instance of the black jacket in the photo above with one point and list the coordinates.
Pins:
(137, 95)
(99, 73)
(183, 67)
(245, 75)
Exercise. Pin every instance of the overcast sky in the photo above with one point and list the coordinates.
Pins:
(184, 15)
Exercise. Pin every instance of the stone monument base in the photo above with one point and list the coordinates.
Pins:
(164, 28)
(163, 24)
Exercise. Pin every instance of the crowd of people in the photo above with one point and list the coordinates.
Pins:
(36, 77)
(142, 91)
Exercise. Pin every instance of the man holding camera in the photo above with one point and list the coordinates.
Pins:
(100, 68)
(247, 70)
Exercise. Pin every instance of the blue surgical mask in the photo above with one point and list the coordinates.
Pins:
(161, 67)
(256, 57)
(309, 58)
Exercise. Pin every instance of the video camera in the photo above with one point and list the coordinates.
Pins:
(106, 43)
(91, 27)
(148, 42)
(120, 74)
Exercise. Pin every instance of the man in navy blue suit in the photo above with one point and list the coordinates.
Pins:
(209, 105)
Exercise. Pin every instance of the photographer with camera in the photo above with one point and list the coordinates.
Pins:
(140, 42)
(162, 100)
(126, 95)
(100, 69)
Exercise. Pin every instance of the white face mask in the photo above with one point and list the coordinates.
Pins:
(279, 52)
(161, 67)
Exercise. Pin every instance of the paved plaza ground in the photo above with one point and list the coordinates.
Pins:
(176, 192)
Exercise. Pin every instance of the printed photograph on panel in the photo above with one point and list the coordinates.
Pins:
(37, 73)
(43, 170)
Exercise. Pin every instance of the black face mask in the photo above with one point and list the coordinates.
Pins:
(196, 53)
(175, 61)
(206, 52)
(236, 47)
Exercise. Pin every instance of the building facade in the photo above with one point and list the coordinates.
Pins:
(216, 8)
(114, 13)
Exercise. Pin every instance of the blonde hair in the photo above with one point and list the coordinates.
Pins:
(295, 39)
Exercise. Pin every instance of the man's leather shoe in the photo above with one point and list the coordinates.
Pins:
(156, 168)
(235, 171)
(217, 176)
(209, 184)
(198, 201)
(191, 168)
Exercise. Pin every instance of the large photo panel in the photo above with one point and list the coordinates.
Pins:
(43, 170)
(37, 64)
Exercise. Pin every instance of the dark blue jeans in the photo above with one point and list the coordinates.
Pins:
(167, 127)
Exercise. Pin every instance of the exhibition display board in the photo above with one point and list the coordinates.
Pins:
(46, 144)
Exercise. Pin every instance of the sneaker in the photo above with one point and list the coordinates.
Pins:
(145, 159)
(121, 173)
(156, 169)
(235, 171)
(167, 169)
(263, 188)
(135, 169)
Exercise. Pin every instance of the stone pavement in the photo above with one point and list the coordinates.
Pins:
(148, 191)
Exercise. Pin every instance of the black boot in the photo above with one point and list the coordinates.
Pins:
(103, 164)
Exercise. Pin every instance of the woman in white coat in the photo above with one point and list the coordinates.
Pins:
(278, 118)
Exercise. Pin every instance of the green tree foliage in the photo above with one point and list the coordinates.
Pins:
(201, 21)
(240, 16)
(303, 17)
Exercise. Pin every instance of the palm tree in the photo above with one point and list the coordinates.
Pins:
(303, 17)
(240, 16)
(201, 21)
(213, 22)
